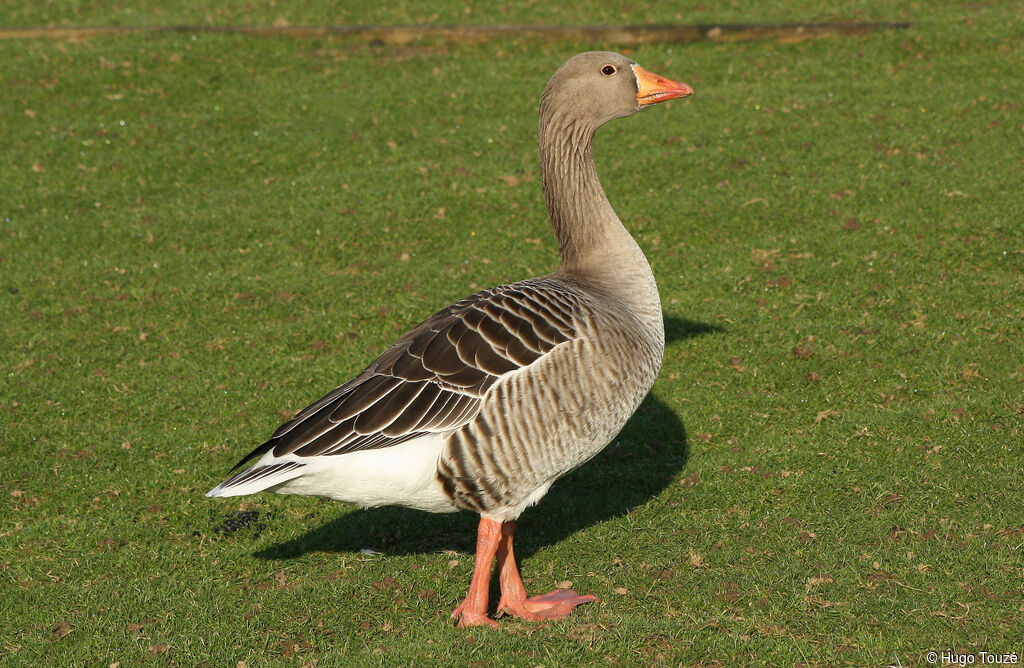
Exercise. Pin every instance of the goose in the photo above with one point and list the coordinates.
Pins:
(489, 401)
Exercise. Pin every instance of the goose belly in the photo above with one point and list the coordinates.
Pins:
(402, 475)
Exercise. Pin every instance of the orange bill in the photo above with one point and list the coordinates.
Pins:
(653, 88)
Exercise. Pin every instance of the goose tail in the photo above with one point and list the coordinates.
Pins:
(258, 478)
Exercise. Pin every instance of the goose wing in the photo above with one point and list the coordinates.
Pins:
(434, 378)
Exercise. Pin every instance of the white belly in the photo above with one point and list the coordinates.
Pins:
(403, 475)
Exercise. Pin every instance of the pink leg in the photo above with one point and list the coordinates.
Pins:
(554, 605)
(473, 609)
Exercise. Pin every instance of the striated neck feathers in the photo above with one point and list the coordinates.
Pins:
(591, 239)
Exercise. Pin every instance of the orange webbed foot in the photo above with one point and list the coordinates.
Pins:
(557, 604)
(470, 618)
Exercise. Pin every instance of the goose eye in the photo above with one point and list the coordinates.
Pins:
(608, 70)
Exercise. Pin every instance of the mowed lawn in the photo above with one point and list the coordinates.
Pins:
(202, 233)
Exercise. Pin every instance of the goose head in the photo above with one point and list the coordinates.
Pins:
(594, 87)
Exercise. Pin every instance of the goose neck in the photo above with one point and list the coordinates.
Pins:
(585, 223)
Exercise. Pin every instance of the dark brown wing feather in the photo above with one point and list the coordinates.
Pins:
(433, 378)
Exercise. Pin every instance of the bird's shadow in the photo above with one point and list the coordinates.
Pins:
(642, 461)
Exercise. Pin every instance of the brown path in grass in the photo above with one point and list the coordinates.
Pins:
(403, 35)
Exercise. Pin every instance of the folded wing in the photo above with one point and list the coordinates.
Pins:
(434, 378)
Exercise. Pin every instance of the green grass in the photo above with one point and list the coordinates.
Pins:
(197, 235)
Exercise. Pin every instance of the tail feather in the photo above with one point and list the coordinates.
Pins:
(258, 451)
(258, 478)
